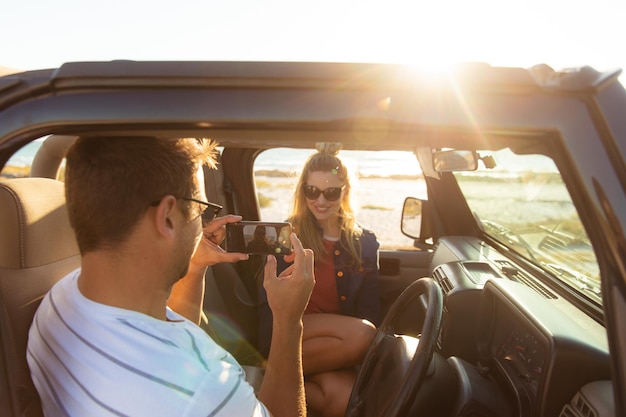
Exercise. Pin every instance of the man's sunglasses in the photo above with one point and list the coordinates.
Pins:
(209, 210)
(330, 194)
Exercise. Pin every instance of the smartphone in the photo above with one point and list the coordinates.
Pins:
(258, 238)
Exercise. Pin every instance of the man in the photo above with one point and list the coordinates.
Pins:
(259, 243)
(105, 343)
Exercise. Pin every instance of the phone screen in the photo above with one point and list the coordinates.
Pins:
(258, 238)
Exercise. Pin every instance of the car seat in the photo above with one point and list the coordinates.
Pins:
(37, 248)
(230, 314)
(229, 305)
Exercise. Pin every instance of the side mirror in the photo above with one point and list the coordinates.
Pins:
(415, 221)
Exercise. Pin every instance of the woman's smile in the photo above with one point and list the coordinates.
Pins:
(321, 208)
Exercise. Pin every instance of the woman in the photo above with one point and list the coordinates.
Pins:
(340, 319)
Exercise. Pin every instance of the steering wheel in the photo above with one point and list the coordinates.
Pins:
(391, 374)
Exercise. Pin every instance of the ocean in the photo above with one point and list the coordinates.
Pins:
(380, 182)
(24, 157)
(362, 163)
(383, 164)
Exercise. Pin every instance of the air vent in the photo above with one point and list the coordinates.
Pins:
(578, 408)
(514, 273)
(567, 411)
(441, 277)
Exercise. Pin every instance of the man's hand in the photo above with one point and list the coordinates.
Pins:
(289, 293)
(208, 252)
(282, 390)
(187, 294)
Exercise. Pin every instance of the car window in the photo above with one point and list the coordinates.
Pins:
(523, 203)
(381, 180)
(19, 164)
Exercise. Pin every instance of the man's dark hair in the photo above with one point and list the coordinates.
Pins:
(110, 182)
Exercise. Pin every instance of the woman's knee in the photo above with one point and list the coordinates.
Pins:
(361, 337)
(352, 335)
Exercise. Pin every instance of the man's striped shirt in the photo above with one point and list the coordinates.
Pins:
(90, 359)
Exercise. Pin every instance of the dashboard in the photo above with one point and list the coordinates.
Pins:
(503, 325)
(523, 355)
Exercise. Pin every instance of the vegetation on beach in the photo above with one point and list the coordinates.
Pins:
(266, 184)
(11, 171)
(264, 201)
(273, 173)
(372, 207)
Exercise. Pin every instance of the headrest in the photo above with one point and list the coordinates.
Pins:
(35, 226)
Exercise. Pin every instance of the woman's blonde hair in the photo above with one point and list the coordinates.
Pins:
(303, 221)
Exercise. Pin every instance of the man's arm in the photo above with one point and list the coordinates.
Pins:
(187, 294)
(282, 390)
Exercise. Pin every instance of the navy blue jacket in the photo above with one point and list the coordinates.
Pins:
(357, 287)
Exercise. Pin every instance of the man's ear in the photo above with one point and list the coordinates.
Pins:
(165, 215)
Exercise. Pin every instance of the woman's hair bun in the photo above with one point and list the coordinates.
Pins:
(331, 148)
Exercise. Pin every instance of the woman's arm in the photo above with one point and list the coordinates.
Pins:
(368, 303)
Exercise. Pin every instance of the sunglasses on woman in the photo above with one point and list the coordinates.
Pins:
(311, 192)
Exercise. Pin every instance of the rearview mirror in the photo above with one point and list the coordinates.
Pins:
(455, 160)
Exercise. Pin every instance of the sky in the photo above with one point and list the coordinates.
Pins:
(41, 34)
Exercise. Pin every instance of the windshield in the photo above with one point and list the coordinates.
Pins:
(524, 204)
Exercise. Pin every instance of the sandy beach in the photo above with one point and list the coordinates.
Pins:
(377, 201)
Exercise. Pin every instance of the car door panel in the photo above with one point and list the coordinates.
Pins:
(398, 269)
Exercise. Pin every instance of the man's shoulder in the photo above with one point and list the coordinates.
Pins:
(61, 290)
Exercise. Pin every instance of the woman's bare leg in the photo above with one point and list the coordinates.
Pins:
(328, 393)
(332, 341)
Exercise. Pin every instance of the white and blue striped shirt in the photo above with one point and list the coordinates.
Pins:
(90, 359)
